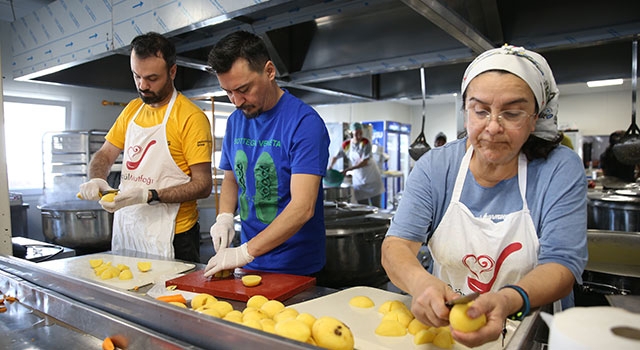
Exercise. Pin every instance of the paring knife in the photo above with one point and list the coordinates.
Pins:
(462, 300)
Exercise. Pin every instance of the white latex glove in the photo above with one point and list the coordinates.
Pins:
(228, 259)
(222, 231)
(91, 189)
(125, 198)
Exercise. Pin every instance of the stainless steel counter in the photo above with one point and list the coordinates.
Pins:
(77, 313)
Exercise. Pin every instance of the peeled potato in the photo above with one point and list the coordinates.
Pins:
(285, 314)
(415, 326)
(293, 329)
(391, 305)
(233, 316)
(125, 275)
(257, 301)
(331, 333)
(307, 318)
(144, 266)
(443, 339)
(109, 273)
(255, 314)
(95, 262)
(109, 197)
(425, 336)
(401, 315)
(202, 299)
(361, 301)
(391, 328)
(268, 325)
(253, 324)
(177, 303)
(210, 312)
(122, 267)
(461, 322)
(272, 307)
(223, 307)
(251, 280)
(223, 274)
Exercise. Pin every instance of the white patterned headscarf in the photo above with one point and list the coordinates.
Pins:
(534, 70)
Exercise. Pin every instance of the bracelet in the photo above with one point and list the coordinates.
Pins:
(526, 304)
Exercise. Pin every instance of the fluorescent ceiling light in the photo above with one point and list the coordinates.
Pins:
(607, 82)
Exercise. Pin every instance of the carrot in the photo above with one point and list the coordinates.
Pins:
(107, 344)
(174, 297)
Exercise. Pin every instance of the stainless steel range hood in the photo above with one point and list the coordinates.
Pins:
(354, 50)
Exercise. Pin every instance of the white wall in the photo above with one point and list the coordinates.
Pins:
(598, 113)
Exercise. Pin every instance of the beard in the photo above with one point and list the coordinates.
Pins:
(151, 97)
(246, 111)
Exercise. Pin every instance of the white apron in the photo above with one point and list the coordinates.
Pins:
(147, 163)
(366, 181)
(474, 254)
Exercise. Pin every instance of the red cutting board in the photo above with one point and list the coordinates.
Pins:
(276, 286)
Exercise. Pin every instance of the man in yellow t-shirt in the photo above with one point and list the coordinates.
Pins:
(166, 144)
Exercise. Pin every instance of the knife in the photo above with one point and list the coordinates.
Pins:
(462, 300)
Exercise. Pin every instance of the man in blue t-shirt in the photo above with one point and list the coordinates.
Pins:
(274, 155)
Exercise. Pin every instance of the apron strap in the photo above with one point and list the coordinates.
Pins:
(464, 167)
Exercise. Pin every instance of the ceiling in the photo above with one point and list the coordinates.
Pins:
(340, 51)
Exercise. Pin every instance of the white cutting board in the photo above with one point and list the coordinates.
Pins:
(78, 266)
(363, 322)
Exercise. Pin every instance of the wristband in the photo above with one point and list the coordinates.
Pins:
(526, 304)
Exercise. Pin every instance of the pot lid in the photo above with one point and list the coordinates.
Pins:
(613, 197)
(71, 205)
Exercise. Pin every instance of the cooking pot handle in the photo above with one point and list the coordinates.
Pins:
(590, 286)
(51, 215)
(85, 215)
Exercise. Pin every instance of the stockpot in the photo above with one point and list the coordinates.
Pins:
(354, 251)
(614, 210)
(77, 224)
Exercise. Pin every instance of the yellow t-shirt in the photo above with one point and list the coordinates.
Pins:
(188, 135)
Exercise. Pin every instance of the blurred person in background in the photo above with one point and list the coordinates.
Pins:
(611, 166)
(366, 179)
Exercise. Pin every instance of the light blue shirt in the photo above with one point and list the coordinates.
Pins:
(556, 196)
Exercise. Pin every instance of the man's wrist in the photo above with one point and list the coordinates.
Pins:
(153, 197)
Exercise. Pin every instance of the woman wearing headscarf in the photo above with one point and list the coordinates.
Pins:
(503, 210)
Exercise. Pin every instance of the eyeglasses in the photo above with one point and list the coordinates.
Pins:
(510, 119)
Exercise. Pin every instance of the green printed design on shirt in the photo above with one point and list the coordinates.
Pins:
(240, 168)
(266, 198)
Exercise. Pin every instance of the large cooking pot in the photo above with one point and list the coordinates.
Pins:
(613, 211)
(340, 193)
(77, 224)
(613, 267)
(354, 252)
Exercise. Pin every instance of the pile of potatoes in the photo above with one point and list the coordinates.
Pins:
(397, 320)
(105, 270)
(274, 317)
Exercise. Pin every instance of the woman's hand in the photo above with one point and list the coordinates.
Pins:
(494, 306)
(429, 308)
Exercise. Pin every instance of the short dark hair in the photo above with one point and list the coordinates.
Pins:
(149, 44)
(240, 44)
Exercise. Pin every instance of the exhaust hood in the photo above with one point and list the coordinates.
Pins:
(338, 51)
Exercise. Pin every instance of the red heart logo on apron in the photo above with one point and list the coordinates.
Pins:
(478, 265)
(133, 152)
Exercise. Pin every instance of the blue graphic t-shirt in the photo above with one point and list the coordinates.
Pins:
(264, 152)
